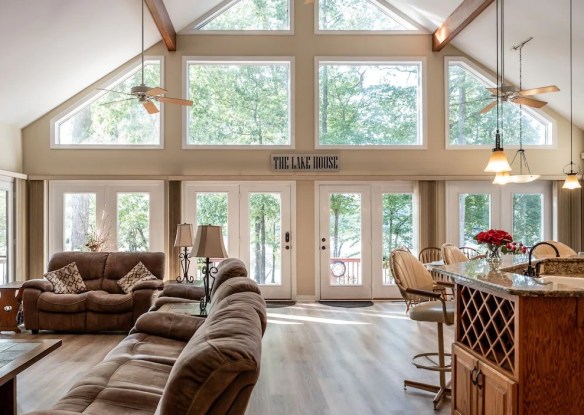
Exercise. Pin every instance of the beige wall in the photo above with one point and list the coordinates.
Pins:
(432, 163)
(10, 149)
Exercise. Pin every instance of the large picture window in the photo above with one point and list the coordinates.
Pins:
(110, 119)
(370, 103)
(466, 126)
(239, 103)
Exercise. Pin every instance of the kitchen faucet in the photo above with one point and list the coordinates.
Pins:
(534, 272)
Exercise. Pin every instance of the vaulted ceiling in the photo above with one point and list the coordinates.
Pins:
(52, 49)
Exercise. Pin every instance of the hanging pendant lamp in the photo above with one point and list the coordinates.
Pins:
(498, 162)
(571, 181)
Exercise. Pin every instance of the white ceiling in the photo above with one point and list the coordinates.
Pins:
(52, 49)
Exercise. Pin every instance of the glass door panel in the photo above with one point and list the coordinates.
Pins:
(397, 227)
(528, 218)
(265, 235)
(4, 235)
(211, 208)
(80, 230)
(133, 222)
(475, 216)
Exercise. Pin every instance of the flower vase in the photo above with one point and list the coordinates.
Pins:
(494, 258)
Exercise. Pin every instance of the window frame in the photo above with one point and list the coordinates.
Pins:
(394, 13)
(106, 206)
(354, 60)
(90, 97)
(194, 28)
(8, 184)
(490, 80)
(290, 60)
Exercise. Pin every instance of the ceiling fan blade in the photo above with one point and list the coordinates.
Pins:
(117, 92)
(530, 102)
(178, 101)
(119, 100)
(542, 90)
(496, 91)
(488, 107)
(156, 91)
(150, 107)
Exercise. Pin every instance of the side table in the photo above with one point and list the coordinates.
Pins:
(9, 306)
(191, 308)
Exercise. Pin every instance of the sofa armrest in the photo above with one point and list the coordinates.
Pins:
(38, 284)
(170, 325)
(148, 285)
(187, 291)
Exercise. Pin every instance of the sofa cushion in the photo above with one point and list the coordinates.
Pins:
(62, 303)
(104, 302)
(118, 264)
(228, 268)
(90, 265)
(136, 274)
(66, 280)
(144, 346)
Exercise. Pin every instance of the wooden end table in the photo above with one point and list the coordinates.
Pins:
(15, 356)
(9, 306)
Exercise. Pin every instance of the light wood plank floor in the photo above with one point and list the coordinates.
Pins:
(315, 360)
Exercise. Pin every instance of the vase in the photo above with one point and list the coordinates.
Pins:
(494, 258)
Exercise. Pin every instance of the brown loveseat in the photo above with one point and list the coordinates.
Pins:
(104, 306)
(176, 364)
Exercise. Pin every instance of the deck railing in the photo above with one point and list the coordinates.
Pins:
(347, 271)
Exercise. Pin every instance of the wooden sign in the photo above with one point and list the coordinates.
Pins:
(305, 162)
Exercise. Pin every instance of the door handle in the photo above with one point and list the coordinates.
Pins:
(287, 240)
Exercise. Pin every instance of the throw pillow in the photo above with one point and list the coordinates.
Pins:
(66, 280)
(137, 274)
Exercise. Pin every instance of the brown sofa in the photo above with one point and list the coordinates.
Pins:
(176, 364)
(104, 306)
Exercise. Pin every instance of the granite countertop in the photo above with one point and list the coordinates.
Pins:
(509, 278)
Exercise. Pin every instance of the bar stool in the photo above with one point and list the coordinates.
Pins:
(451, 254)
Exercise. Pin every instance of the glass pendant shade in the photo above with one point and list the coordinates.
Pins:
(498, 162)
(502, 178)
(571, 182)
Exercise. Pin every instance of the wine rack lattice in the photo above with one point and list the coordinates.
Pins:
(487, 326)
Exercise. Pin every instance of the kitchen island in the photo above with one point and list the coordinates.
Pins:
(519, 340)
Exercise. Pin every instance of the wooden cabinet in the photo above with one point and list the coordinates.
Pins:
(479, 387)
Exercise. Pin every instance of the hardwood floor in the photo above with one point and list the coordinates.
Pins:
(316, 359)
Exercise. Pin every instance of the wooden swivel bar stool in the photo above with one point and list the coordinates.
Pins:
(415, 283)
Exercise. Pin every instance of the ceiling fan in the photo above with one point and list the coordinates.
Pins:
(146, 94)
(516, 95)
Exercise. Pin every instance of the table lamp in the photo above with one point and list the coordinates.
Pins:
(184, 240)
(208, 244)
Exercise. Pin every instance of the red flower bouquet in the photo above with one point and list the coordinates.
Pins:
(496, 238)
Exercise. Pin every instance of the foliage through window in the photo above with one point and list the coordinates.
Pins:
(370, 104)
(475, 216)
(528, 216)
(358, 15)
(111, 119)
(133, 222)
(265, 236)
(467, 96)
(239, 103)
(398, 227)
(80, 223)
(250, 15)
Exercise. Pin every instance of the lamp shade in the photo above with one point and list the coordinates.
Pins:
(502, 178)
(184, 235)
(571, 181)
(209, 242)
(498, 162)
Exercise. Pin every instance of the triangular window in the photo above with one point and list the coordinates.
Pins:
(467, 96)
(359, 15)
(247, 15)
(110, 118)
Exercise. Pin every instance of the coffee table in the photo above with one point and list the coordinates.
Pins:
(15, 356)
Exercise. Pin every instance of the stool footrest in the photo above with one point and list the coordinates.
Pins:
(435, 366)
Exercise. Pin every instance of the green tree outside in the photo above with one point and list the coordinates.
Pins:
(133, 222)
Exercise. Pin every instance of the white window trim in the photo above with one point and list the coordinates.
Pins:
(490, 80)
(501, 200)
(106, 204)
(240, 60)
(194, 28)
(394, 13)
(348, 60)
(89, 97)
(7, 184)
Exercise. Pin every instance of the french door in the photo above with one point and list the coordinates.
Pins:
(359, 225)
(257, 227)
(524, 210)
(6, 231)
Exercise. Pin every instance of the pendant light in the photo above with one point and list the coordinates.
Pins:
(571, 181)
(498, 161)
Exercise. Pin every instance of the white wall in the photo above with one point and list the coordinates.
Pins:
(10, 149)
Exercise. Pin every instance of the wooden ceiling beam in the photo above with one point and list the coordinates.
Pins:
(163, 22)
(460, 18)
